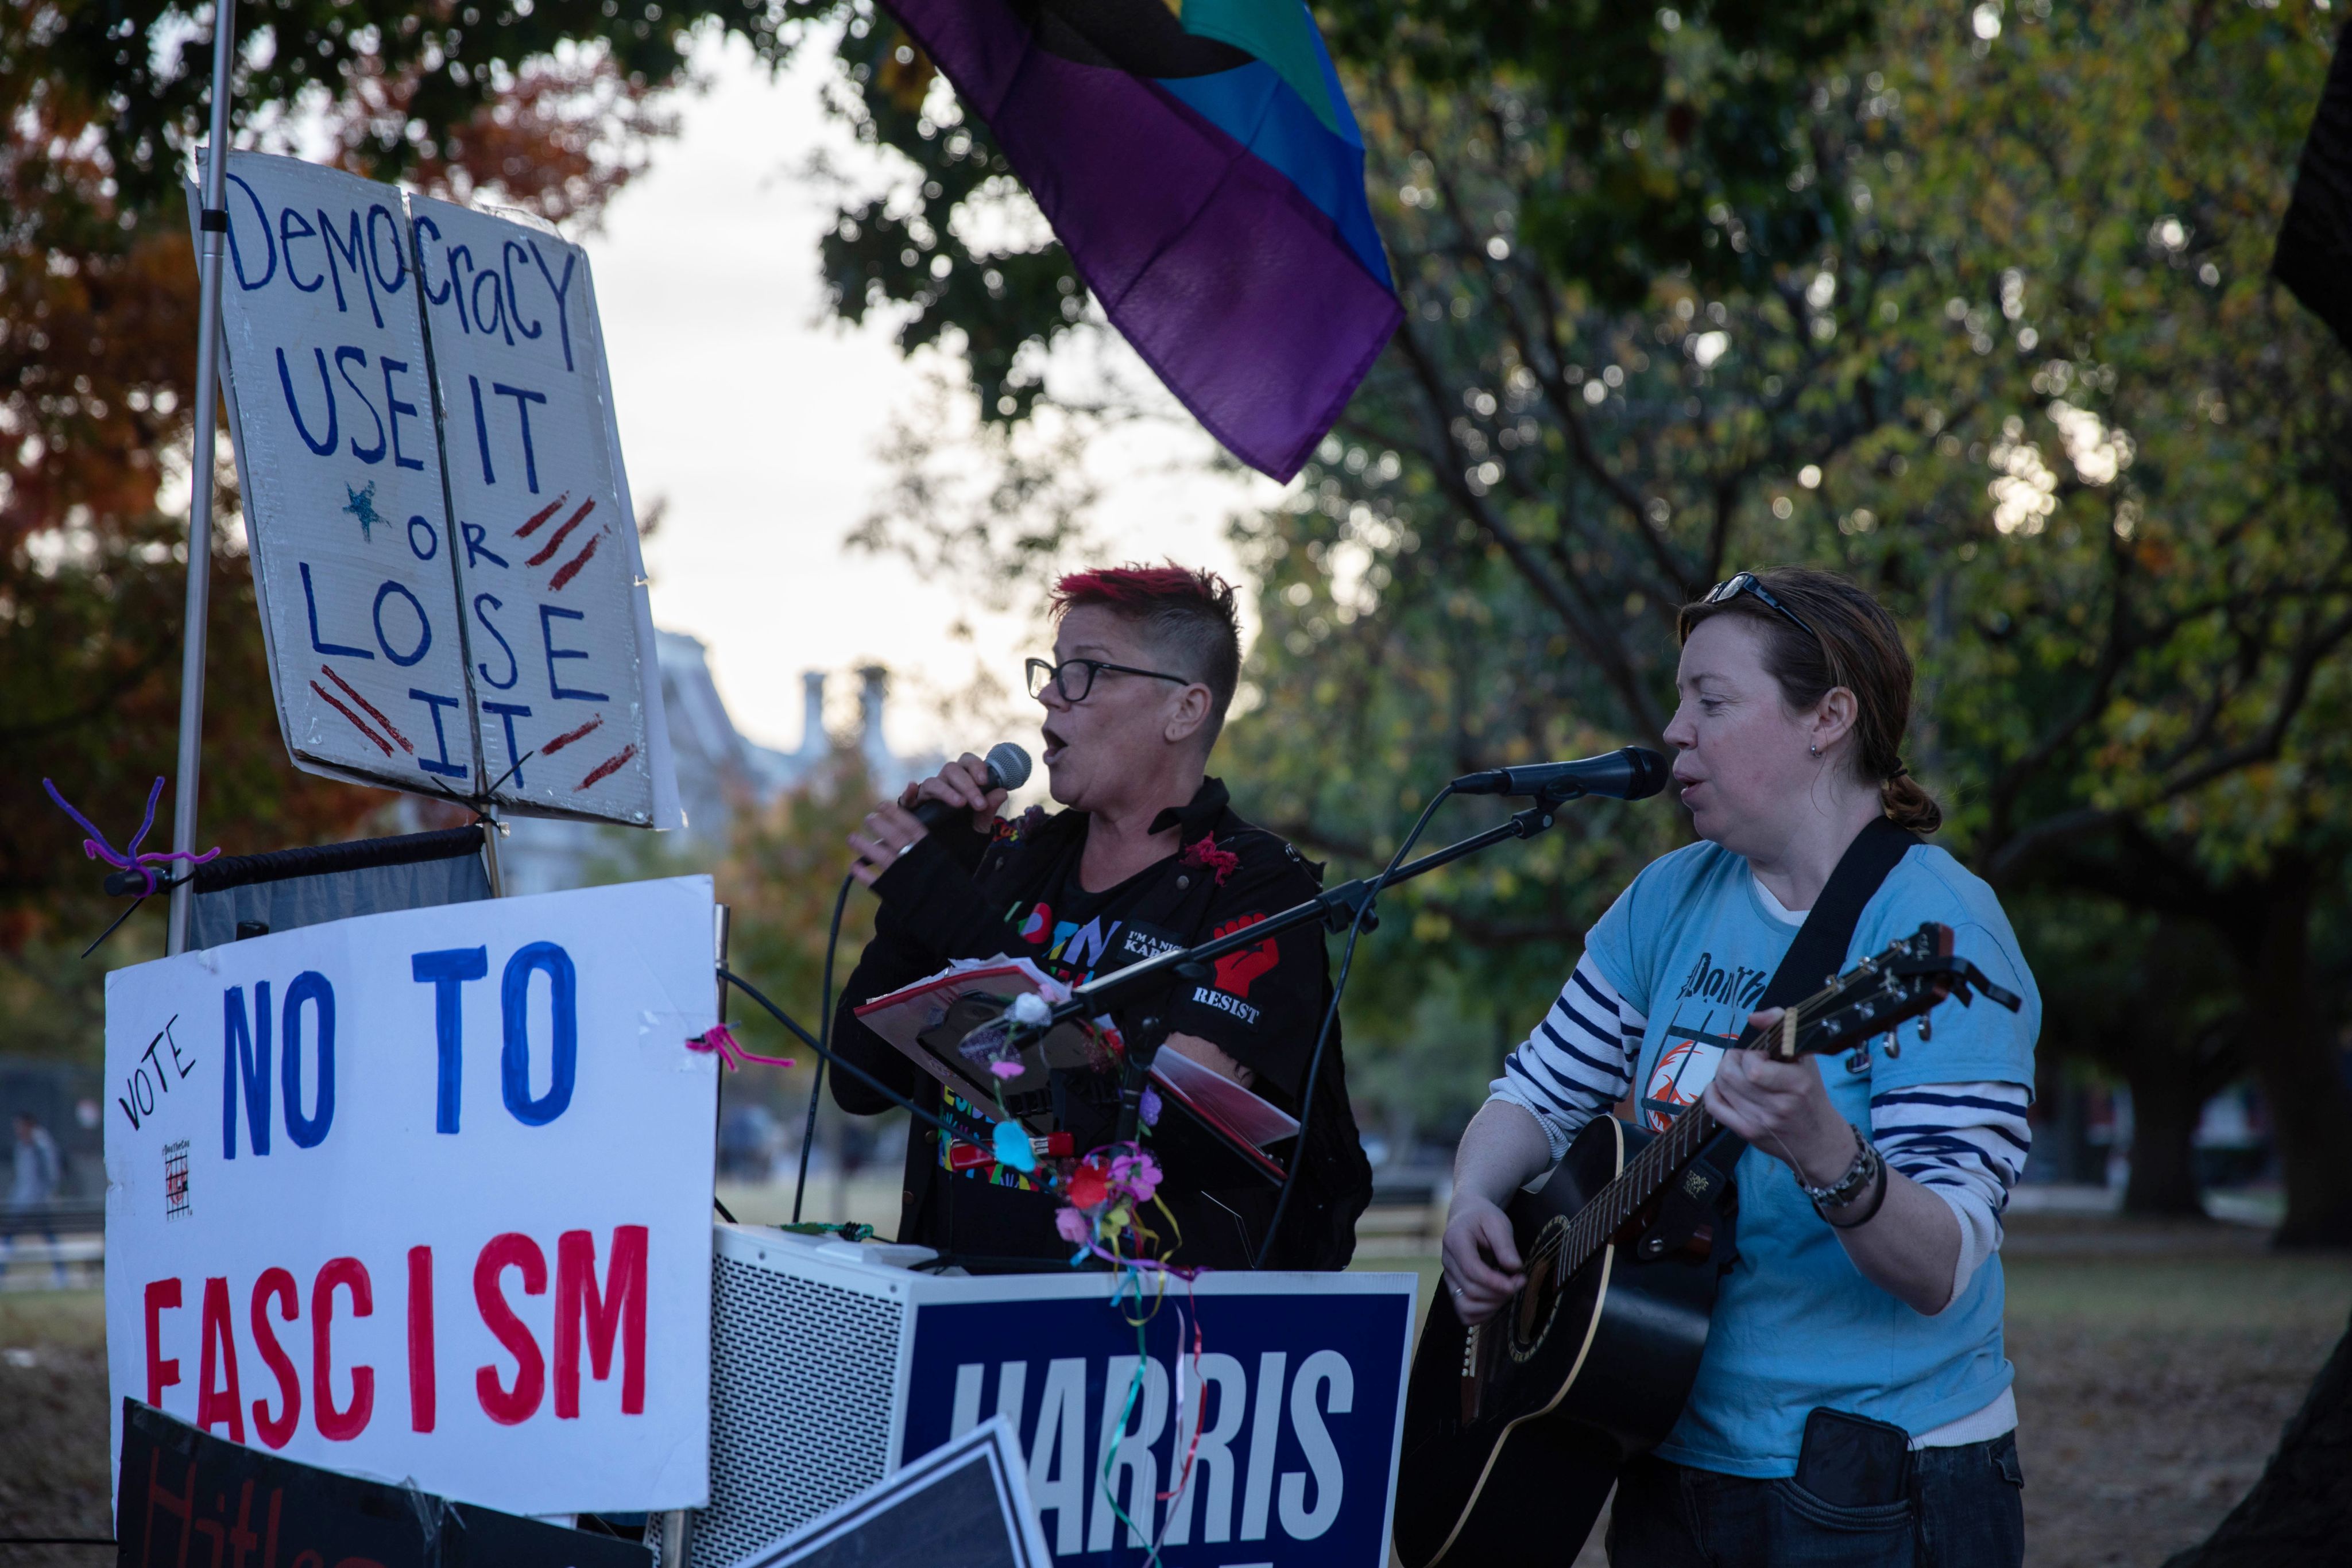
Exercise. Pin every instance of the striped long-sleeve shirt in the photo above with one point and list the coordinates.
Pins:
(1966, 1143)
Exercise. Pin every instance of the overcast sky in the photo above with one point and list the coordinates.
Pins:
(758, 422)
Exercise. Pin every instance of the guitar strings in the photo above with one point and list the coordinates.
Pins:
(1649, 1169)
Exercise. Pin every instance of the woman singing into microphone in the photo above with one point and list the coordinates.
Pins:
(1148, 856)
(1867, 1281)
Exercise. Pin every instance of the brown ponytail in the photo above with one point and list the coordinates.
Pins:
(1909, 804)
(1856, 646)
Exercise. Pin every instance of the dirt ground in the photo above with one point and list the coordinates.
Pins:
(2155, 1368)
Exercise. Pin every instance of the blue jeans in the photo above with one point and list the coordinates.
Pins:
(1965, 1510)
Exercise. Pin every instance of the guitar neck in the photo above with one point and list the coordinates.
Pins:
(1641, 1181)
(1820, 1022)
(1664, 1156)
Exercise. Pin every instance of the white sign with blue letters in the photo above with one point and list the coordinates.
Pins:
(547, 558)
(444, 545)
(425, 1196)
(1272, 1439)
(332, 403)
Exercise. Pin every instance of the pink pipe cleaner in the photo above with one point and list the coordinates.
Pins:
(722, 1039)
(95, 846)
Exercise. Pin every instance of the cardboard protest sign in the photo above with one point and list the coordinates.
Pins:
(331, 408)
(965, 1503)
(426, 1195)
(185, 1497)
(384, 354)
(547, 559)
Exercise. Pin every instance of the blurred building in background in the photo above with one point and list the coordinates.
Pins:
(719, 773)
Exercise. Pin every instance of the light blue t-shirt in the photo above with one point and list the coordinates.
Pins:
(1691, 946)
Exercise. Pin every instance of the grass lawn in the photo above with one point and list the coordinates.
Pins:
(53, 1425)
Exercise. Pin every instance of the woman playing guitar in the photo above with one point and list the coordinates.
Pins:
(1852, 1403)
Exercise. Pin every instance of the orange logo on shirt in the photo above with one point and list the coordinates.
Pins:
(1677, 1082)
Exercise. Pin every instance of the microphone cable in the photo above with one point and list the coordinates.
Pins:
(1331, 1016)
(824, 1055)
(823, 1043)
(1008, 767)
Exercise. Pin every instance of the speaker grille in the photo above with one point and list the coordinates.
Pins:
(802, 1379)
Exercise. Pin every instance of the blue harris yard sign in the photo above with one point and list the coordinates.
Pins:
(1270, 1440)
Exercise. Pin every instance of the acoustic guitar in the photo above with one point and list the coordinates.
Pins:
(1514, 1430)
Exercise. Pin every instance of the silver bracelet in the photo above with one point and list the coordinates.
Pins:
(1849, 1186)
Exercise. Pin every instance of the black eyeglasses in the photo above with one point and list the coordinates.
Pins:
(1076, 677)
(1732, 587)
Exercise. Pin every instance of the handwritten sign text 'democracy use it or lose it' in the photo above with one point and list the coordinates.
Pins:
(425, 1195)
(442, 532)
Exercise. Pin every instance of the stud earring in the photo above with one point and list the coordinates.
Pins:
(1814, 749)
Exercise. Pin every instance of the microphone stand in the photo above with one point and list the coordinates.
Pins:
(1155, 978)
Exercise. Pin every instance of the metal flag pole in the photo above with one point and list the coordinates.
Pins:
(214, 227)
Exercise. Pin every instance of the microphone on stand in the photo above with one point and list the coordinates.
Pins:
(1630, 773)
(1008, 769)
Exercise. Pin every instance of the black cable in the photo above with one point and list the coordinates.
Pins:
(785, 1018)
(119, 920)
(823, 1043)
(163, 885)
(1330, 1017)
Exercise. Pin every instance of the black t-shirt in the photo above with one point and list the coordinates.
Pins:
(1262, 1004)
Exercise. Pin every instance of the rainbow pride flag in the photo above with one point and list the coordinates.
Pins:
(1199, 163)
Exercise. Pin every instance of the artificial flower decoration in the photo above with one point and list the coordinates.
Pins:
(1089, 1187)
(1102, 1198)
(1136, 1173)
(1011, 1140)
(1203, 852)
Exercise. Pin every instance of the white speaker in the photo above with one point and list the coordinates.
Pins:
(810, 1338)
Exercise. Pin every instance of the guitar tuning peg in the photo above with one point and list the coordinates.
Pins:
(1927, 1029)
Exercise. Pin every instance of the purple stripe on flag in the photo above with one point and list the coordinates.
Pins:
(1232, 285)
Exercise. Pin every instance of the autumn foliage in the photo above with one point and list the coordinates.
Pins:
(97, 332)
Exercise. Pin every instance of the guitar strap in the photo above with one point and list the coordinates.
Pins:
(1694, 1203)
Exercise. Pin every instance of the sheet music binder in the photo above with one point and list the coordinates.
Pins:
(1211, 1133)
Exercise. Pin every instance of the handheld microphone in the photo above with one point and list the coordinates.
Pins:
(1008, 769)
(1630, 773)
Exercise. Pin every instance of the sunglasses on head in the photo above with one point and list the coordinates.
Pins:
(1732, 587)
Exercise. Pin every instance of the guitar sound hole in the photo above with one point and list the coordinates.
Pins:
(1538, 1302)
